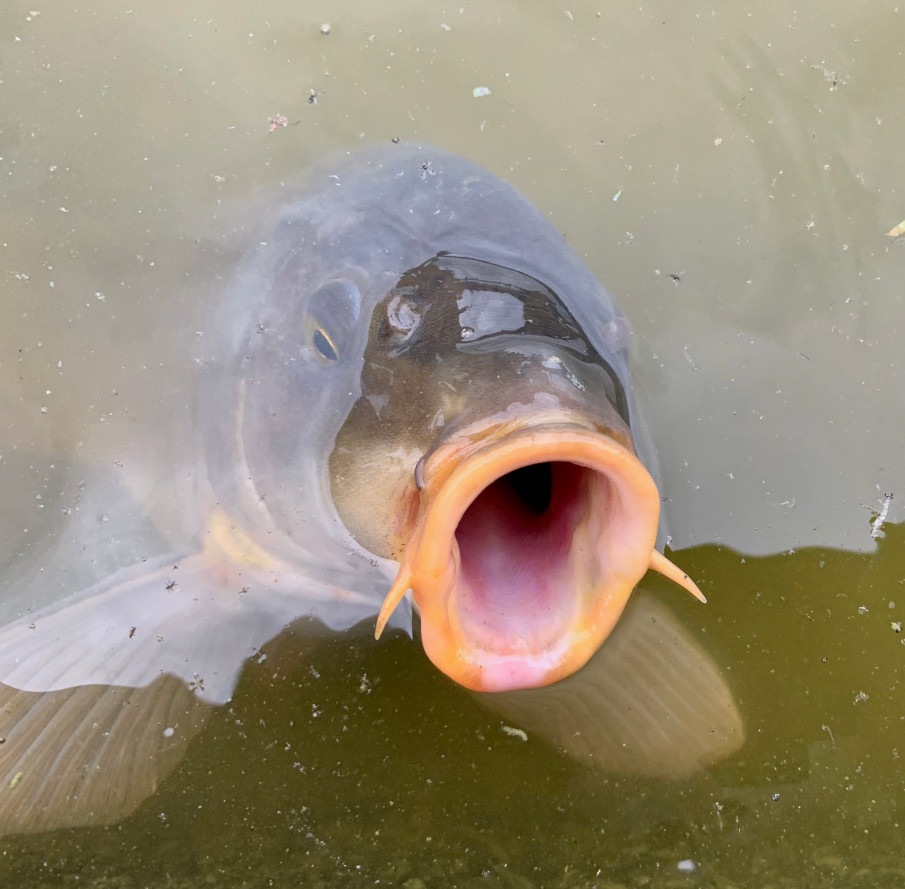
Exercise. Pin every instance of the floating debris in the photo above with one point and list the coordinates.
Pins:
(897, 231)
(326, 28)
(686, 866)
(692, 363)
(515, 732)
(479, 91)
(876, 526)
(276, 122)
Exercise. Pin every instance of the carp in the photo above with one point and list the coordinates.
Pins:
(412, 390)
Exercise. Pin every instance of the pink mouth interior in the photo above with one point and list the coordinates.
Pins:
(517, 545)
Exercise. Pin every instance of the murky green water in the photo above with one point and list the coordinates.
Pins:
(755, 155)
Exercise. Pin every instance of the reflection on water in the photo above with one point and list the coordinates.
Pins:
(133, 141)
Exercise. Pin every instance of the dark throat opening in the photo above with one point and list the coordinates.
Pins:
(533, 485)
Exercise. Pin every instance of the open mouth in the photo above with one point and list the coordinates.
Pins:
(525, 551)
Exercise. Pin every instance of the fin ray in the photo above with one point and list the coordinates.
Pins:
(90, 755)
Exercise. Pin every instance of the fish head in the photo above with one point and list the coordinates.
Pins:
(490, 454)
(416, 378)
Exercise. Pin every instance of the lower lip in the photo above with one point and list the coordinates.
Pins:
(513, 673)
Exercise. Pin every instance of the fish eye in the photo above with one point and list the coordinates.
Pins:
(331, 319)
(321, 341)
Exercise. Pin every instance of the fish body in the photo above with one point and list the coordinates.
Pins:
(411, 384)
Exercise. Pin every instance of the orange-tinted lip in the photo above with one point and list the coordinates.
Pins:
(514, 598)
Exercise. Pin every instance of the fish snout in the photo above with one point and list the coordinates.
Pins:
(526, 547)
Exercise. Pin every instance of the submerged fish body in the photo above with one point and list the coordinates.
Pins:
(412, 384)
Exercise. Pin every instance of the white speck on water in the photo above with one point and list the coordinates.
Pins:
(326, 28)
(515, 732)
(169, 731)
(863, 609)
(686, 866)
(617, 195)
(479, 91)
(861, 696)
(876, 526)
(691, 360)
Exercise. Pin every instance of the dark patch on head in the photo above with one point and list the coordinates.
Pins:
(452, 304)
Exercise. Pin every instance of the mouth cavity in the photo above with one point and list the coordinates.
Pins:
(525, 552)
(517, 554)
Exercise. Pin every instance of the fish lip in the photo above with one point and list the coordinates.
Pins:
(622, 543)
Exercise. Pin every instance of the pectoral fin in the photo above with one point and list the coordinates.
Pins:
(197, 616)
(89, 755)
